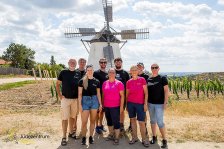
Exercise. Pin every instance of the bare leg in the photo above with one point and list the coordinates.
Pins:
(134, 128)
(71, 124)
(85, 117)
(163, 132)
(93, 114)
(64, 127)
(153, 127)
(142, 129)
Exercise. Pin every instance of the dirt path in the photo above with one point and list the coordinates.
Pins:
(11, 80)
(100, 143)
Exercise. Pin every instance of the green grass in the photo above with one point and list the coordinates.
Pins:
(7, 76)
(14, 85)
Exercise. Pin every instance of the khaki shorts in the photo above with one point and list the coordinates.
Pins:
(69, 108)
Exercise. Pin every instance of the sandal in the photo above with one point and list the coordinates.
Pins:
(116, 141)
(72, 135)
(145, 143)
(109, 137)
(133, 140)
(63, 142)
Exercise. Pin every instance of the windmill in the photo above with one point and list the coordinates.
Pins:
(105, 43)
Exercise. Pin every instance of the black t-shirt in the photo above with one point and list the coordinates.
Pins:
(70, 80)
(91, 90)
(144, 75)
(156, 89)
(83, 72)
(101, 76)
(122, 76)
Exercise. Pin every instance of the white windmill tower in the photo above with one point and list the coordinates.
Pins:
(105, 43)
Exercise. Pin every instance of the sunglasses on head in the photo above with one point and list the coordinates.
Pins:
(88, 66)
(155, 67)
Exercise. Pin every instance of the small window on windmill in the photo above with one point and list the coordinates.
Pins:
(108, 53)
(128, 34)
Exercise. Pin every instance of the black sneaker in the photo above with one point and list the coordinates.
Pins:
(91, 141)
(164, 144)
(83, 140)
(154, 140)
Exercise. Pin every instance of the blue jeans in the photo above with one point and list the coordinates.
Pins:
(90, 102)
(156, 112)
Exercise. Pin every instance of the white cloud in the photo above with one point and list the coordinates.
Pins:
(183, 37)
(221, 2)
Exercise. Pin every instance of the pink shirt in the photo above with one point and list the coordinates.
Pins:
(111, 92)
(136, 91)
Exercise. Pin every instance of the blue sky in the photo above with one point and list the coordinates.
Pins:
(184, 35)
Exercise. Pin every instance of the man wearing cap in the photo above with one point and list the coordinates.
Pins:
(142, 73)
(122, 76)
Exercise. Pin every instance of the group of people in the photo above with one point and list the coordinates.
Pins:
(95, 94)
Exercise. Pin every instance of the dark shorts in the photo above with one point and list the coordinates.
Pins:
(136, 109)
(113, 116)
(90, 102)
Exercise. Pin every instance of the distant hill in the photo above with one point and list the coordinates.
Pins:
(209, 75)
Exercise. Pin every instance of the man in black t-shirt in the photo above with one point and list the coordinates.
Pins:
(157, 99)
(122, 76)
(68, 79)
(82, 65)
(102, 76)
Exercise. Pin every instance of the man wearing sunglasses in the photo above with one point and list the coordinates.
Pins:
(122, 76)
(157, 101)
(102, 76)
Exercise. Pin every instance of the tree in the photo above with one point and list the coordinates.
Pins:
(52, 62)
(20, 56)
(63, 66)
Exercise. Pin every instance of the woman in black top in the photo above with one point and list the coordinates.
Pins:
(157, 100)
(89, 102)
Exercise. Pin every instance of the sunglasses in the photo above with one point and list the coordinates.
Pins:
(154, 67)
(88, 66)
(103, 62)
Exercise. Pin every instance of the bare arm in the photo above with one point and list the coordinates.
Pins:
(80, 98)
(127, 94)
(166, 94)
(145, 88)
(58, 84)
(122, 101)
(99, 96)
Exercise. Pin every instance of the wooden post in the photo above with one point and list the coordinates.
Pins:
(56, 76)
(40, 72)
(44, 72)
(48, 76)
(51, 75)
(34, 73)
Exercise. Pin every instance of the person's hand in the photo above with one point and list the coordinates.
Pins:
(145, 107)
(61, 97)
(100, 108)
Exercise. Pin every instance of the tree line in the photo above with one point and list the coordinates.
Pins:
(21, 56)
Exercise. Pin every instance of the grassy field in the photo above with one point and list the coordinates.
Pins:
(15, 85)
(28, 110)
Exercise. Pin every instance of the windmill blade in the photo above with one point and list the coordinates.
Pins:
(79, 32)
(134, 34)
(108, 11)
